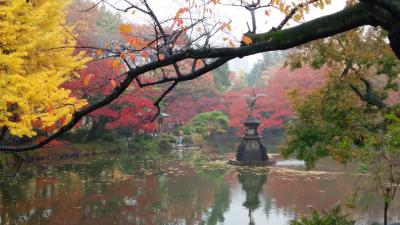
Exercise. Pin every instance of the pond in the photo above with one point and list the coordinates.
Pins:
(177, 188)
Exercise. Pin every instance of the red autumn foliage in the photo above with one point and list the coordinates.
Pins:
(274, 109)
(132, 109)
(188, 98)
(192, 98)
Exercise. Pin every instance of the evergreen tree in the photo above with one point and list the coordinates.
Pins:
(221, 77)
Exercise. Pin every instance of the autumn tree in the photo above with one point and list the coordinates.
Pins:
(33, 65)
(134, 109)
(188, 37)
(352, 101)
(95, 27)
(273, 107)
(191, 98)
(349, 118)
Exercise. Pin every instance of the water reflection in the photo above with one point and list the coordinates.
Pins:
(252, 184)
(142, 191)
(290, 162)
(221, 201)
(180, 154)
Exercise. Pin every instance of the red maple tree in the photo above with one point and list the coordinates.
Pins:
(273, 109)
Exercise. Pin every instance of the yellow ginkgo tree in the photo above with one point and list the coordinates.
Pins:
(35, 61)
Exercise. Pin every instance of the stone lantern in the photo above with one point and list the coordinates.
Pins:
(251, 149)
(161, 122)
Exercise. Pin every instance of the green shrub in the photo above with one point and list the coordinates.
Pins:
(67, 136)
(149, 143)
(203, 125)
(164, 144)
(80, 135)
(207, 123)
(165, 141)
(108, 136)
(332, 217)
(167, 137)
(198, 140)
(142, 143)
(125, 132)
(187, 139)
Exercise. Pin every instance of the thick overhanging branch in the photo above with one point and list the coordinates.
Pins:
(393, 6)
(394, 38)
(344, 20)
(349, 18)
(359, 15)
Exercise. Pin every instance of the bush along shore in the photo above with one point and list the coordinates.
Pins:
(74, 145)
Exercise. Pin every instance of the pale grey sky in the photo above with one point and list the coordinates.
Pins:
(238, 17)
(167, 9)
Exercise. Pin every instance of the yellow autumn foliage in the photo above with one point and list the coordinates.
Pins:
(34, 63)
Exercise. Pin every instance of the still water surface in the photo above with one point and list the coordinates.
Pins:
(175, 189)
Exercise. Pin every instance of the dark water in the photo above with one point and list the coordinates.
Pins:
(183, 188)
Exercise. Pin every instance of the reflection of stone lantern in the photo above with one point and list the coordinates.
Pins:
(252, 184)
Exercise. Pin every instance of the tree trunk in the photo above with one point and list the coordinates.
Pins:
(385, 213)
(96, 128)
(3, 133)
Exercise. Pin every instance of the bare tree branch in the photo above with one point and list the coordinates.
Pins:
(369, 97)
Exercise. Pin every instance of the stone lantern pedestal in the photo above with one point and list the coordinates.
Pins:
(251, 150)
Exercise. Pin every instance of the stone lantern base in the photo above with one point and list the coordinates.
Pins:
(251, 150)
